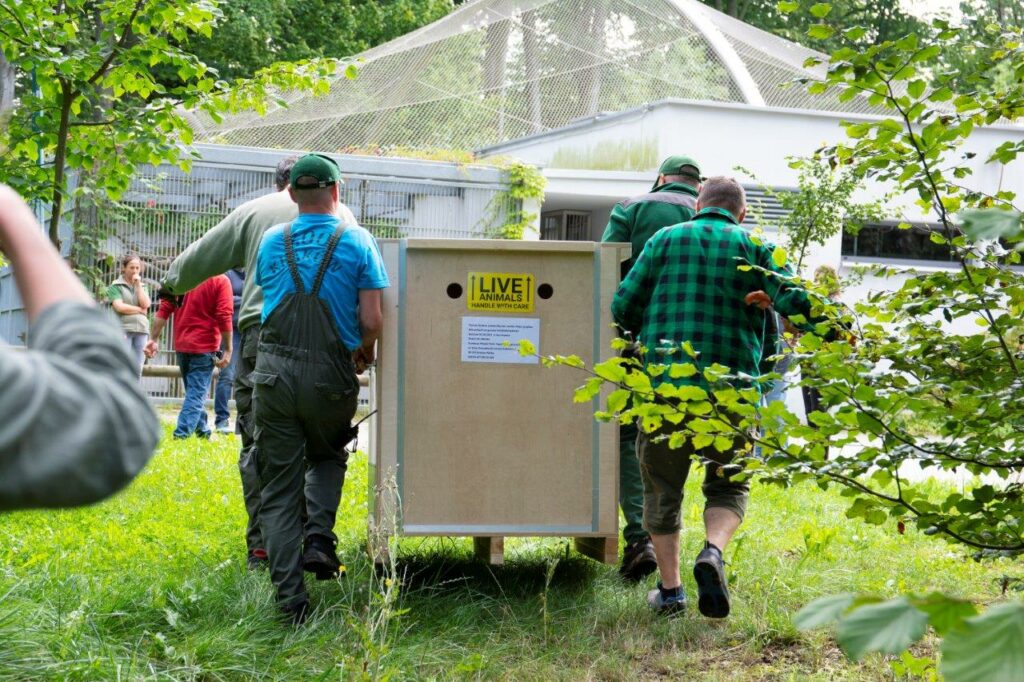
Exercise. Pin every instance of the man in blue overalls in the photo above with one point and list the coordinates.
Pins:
(322, 283)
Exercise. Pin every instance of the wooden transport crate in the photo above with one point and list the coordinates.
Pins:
(470, 438)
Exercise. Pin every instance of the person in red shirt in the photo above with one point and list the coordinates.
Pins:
(202, 322)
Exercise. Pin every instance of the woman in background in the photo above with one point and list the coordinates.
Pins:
(130, 301)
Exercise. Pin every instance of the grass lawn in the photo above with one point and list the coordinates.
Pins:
(152, 585)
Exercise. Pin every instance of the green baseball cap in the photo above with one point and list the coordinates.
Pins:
(680, 165)
(314, 170)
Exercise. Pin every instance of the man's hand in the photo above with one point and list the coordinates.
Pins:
(363, 357)
(225, 360)
(758, 298)
(151, 348)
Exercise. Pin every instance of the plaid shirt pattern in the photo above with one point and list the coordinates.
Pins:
(686, 286)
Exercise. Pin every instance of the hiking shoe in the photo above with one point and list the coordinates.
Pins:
(638, 561)
(667, 602)
(712, 589)
(257, 559)
(296, 613)
(319, 558)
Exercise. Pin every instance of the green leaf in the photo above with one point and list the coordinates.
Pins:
(681, 370)
(779, 257)
(888, 627)
(823, 611)
(821, 10)
(946, 613)
(702, 440)
(617, 400)
(787, 6)
(687, 393)
(916, 88)
(856, 33)
(723, 443)
(988, 648)
(990, 223)
(588, 391)
(820, 32)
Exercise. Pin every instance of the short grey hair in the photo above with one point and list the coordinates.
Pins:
(284, 171)
(723, 192)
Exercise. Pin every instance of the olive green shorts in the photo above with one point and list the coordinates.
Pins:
(664, 472)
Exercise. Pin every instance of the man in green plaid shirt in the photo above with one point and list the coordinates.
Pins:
(687, 286)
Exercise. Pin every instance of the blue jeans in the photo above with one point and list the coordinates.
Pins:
(196, 373)
(225, 384)
(777, 389)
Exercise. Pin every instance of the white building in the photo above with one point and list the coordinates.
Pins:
(597, 92)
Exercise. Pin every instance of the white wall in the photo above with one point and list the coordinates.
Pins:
(723, 136)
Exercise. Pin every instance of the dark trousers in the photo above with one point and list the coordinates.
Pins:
(631, 486)
(245, 426)
(302, 430)
(665, 471)
(225, 384)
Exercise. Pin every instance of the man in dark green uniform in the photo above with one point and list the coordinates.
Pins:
(671, 201)
(322, 282)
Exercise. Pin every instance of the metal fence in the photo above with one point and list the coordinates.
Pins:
(166, 209)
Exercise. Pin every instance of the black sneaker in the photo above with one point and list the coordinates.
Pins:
(667, 602)
(319, 558)
(257, 559)
(638, 561)
(712, 589)
(296, 613)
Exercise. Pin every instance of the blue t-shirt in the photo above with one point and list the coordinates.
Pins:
(356, 265)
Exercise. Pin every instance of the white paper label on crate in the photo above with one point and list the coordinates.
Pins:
(496, 339)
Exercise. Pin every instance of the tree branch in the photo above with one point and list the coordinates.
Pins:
(119, 45)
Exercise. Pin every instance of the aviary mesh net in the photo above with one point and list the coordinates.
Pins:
(497, 70)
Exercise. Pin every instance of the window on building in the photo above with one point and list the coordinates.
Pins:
(565, 225)
(887, 240)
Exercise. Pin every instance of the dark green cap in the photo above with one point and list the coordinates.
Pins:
(314, 170)
(680, 165)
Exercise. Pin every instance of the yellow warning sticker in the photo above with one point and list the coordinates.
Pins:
(500, 292)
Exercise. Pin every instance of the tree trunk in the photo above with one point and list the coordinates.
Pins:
(59, 158)
(531, 61)
(6, 85)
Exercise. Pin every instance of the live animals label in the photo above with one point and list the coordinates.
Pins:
(500, 292)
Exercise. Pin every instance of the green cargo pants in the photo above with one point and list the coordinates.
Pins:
(665, 471)
(631, 486)
(301, 433)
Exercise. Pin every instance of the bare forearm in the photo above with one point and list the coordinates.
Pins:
(158, 327)
(41, 274)
(144, 302)
(122, 308)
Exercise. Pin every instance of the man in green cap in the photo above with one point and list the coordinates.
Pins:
(322, 282)
(671, 201)
(233, 243)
